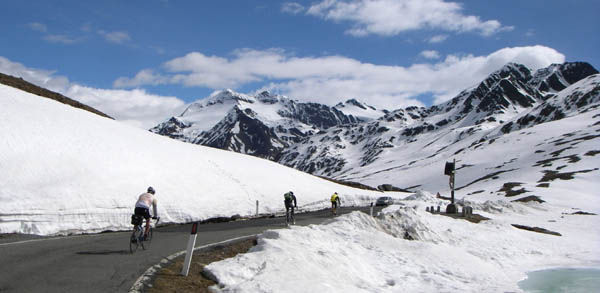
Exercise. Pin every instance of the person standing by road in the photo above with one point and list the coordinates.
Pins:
(335, 202)
(288, 199)
(142, 207)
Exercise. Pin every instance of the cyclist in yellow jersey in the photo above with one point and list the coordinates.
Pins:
(335, 202)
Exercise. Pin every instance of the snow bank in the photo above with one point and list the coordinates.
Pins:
(357, 253)
(65, 170)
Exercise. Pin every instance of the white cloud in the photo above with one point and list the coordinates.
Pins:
(115, 37)
(391, 17)
(36, 26)
(330, 79)
(437, 39)
(136, 107)
(430, 54)
(63, 39)
(292, 8)
(146, 76)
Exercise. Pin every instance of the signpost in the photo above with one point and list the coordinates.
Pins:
(450, 170)
(190, 250)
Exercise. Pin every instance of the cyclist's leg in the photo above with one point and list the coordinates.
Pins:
(293, 219)
(147, 228)
(147, 217)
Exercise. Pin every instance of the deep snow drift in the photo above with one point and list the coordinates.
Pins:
(358, 253)
(66, 170)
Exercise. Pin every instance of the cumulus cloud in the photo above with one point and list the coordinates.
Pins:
(135, 107)
(146, 76)
(330, 79)
(430, 54)
(391, 17)
(115, 37)
(292, 8)
(437, 39)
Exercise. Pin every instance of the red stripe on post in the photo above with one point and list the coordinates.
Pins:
(194, 228)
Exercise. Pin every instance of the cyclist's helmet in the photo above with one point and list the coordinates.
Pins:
(291, 192)
(151, 190)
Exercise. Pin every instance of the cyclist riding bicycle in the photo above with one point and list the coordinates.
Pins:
(288, 198)
(142, 207)
(335, 202)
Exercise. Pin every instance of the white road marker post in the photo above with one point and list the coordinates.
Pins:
(371, 213)
(257, 207)
(190, 251)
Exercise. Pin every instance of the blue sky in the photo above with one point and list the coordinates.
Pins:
(142, 61)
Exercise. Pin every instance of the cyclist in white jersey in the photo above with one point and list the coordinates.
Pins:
(142, 207)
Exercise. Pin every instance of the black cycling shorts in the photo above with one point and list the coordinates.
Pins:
(144, 212)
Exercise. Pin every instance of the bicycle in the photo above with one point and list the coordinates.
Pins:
(289, 216)
(137, 235)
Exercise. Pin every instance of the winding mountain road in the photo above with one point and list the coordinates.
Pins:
(102, 262)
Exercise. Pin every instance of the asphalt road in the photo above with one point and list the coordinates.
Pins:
(102, 262)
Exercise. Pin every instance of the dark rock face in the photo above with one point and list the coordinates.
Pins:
(242, 133)
(318, 115)
(557, 77)
(172, 128)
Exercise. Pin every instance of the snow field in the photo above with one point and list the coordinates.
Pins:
(358, 253)
(65, 170)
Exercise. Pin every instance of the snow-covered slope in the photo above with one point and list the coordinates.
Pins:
(406, 249)
(66, 170)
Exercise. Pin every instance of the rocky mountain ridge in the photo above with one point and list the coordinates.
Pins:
(350, 142)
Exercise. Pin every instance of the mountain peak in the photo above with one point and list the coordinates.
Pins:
(227, 95)
(557, 77)
(515, 70)
(356, 103)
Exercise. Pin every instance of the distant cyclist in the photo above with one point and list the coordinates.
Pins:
(335, 203)
(142, 207)
(288, 199)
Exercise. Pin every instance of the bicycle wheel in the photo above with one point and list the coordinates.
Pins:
(148, 238)
(141, 238)
(133, 240)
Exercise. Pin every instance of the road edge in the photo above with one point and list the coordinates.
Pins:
(139, 284)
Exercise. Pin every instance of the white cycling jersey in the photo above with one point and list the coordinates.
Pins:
(145, 200)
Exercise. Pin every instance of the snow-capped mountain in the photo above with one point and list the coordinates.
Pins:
(263, 125)
(355, 142)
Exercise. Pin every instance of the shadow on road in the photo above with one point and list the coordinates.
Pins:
(103, 252)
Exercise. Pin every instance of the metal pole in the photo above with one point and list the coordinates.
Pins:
(453, 173)
(190, 250)
(371, 213)
(257, 207)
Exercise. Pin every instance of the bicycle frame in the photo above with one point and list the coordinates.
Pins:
(137, 236)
